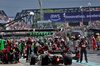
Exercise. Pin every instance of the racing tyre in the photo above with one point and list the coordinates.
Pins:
(44, 59)
(32, 61)
(67, 60)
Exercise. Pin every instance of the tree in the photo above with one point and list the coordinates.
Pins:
(37, 17)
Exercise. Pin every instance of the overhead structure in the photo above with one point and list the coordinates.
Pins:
(2, 13)
(41, 10)
(27, 34)
(20, 18)
(29, 19)
(6, 24)
(31, 30)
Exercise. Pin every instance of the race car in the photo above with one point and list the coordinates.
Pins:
(51, 57)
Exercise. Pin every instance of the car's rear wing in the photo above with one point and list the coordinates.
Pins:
(56, 51)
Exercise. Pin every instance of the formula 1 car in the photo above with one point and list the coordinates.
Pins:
(52, 57)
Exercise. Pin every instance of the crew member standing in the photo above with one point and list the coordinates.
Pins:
(83, 49)
(29, 44)
(93, 42)
(98, 42)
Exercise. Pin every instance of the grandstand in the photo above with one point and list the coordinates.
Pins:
(3, 19)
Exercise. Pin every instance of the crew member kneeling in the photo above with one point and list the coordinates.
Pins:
(77, 54)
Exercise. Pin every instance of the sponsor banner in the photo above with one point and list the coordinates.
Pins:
(72, 16)
(54, 17)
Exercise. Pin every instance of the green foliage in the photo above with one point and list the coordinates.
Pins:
(37, 17)
(51, 11)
